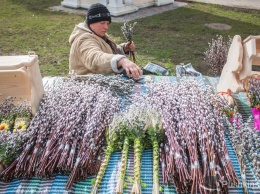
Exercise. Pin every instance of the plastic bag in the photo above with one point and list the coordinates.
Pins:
(186, 70)
(153, 68)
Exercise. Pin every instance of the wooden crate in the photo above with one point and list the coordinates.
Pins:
(20, 77)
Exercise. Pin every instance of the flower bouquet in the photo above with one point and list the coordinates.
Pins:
(228, 104)
(252, 87)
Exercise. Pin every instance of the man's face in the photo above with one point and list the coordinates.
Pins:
(100, 28)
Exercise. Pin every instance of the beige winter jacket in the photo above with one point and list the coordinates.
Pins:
(90, 54)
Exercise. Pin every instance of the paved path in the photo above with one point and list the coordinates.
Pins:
(141, 13)
(248, 4)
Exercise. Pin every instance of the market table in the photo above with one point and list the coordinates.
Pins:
(57, 183)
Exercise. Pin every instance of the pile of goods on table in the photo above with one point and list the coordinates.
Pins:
(82, 121)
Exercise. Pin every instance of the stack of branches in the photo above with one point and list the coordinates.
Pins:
(67, 133)
(194, 156)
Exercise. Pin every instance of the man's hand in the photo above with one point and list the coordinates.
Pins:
(130, 68)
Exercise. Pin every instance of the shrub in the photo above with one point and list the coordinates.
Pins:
(216, 54)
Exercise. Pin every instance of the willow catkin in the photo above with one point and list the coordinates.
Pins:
(193, 128)
(69, 111)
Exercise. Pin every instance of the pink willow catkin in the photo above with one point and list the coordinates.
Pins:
(216, 54)
(68, 127)
(195, 153)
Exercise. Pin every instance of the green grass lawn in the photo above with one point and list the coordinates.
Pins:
(170, 38)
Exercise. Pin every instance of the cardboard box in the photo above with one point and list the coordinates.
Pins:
(20, 77)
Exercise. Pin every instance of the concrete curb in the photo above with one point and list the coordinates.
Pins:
(247, 4)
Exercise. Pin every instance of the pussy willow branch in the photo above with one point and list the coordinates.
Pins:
(128, 30)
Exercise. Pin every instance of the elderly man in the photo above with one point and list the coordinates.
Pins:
(93, 52)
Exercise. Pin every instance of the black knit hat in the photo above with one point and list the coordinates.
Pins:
(96, 13)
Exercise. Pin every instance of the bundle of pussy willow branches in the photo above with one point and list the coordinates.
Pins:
(195, 155)
(67, 132)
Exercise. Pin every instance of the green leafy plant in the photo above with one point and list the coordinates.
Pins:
(229, 112)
